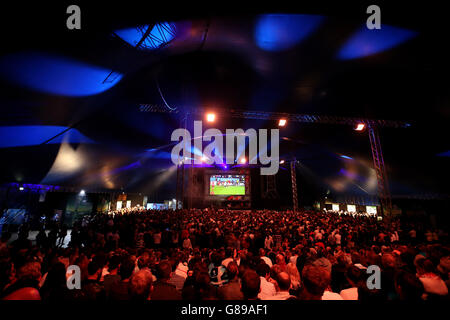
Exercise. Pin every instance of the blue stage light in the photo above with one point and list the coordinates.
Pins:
(444, 154)
(346, 157)
(115, 171)
(276, 32)
(367, 42)
(55, 74)
(158, 154)
(196, 151)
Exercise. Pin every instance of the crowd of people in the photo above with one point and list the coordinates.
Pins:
(227, 255)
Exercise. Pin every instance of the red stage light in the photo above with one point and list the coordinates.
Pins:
(360, 127)
(282, 122)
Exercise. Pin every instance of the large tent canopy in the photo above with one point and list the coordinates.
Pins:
(70, 99)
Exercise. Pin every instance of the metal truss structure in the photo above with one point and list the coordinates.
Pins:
(372, 125)
(179, 198)
(294, 185)
(155, 36)
(149, 40)
(384, 194)
(275, 116)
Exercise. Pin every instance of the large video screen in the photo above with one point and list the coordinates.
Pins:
(227, 185)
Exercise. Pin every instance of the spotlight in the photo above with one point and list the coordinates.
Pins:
(82, 193)
(21, 188)
(204, 159)
(243, 160)
(282, 162)
(360, 127)
(210, 117)
(282, 122)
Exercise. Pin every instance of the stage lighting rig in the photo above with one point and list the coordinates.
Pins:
(371, 125)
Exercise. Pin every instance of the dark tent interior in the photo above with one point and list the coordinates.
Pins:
(70, 99)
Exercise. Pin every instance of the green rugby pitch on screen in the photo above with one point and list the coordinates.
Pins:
(227, 190)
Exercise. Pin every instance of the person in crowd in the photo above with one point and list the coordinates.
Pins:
(330, 250)
(62, 234)
(262, 255)
(113, 276)
(187, 244)
(41, 238)
(179, 270)
(217, 272)
(294, 275)
(444, 270)
(433, 284)
(162, 289)
(198, 285)
(282, 287)
(316, 284)
(157, 238)
(141, 285)
(26, 284)
(52, 236)
(91, 288)
(119, 289)
(232, 289)
(354, 278)
(268, 242)
(268, 289)
(229, 256)
(250, 285)
(55, 285)
(408, 287)
(281, 261)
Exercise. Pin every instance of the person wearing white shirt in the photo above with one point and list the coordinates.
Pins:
(268, 242)
(349, 294)
(267, 288)
(337, 236)
(353, 275)
(328, 295)
(432, 282)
